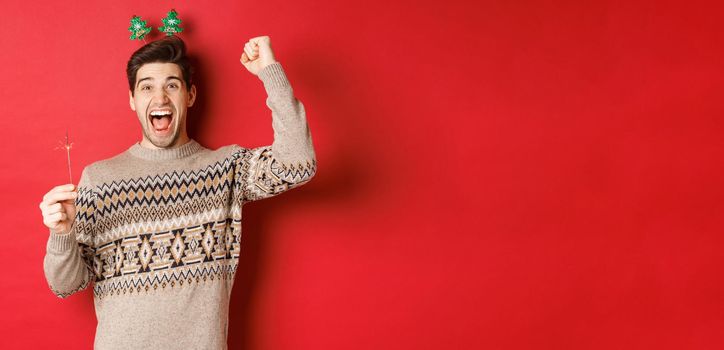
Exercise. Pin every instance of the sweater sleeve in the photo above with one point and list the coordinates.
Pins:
(290, 161)
(68, 262)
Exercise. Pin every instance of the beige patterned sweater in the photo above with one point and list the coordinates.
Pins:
(158, 232)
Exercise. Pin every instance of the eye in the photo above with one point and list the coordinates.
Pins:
(145, 87)
(173, 86)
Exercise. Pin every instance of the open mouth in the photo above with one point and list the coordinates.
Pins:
(161, 121)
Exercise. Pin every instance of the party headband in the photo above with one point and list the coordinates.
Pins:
(171, 26)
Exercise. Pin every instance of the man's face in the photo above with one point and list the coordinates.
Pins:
(160, 100)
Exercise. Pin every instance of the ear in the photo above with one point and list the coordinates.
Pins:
(130, 100)
(192, 96)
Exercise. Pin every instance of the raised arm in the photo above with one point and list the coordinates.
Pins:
(290, 161)
(69, 251)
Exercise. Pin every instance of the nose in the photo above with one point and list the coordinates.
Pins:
(160, 97)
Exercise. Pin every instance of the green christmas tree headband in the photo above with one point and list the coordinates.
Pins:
(171, 26)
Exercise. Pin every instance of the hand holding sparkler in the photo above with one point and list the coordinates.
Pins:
(58, 208)
(58, 205)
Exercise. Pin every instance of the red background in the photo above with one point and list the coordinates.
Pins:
(492, 175)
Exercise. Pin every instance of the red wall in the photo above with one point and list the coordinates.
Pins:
(493, 175)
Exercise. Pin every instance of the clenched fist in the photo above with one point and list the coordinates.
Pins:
(58, 207)
(257, 54)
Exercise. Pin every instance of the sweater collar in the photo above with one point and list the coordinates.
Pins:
(182, 151)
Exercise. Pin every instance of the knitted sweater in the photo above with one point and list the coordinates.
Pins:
(158, 232)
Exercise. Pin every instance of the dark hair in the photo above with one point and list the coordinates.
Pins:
(170, 49)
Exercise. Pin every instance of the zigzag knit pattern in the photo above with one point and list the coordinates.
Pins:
(178, 228)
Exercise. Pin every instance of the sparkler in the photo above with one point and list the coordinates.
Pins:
(67, 146)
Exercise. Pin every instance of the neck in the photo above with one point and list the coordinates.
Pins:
(180, 141)
(167, 153)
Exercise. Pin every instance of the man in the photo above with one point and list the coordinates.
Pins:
(157, 228)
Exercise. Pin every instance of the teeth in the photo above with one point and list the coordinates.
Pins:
(160, 113)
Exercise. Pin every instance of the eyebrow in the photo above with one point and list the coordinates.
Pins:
(172, 77)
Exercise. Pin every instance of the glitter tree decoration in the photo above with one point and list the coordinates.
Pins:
(138, 28)
(171, 24)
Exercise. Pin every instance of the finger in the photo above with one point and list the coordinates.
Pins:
(261, 39)
(53, 222)
(60, 196)
(244, 58)
(249, 52)
(53, 208)
(253, 48)
(251, 56)
(66, 187)
(61, 188)
(64, 197)
(57, 217)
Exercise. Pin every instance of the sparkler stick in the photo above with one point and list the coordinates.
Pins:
(67, 146)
